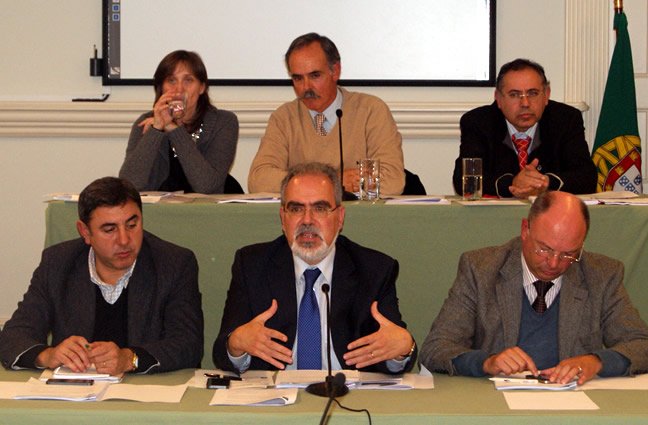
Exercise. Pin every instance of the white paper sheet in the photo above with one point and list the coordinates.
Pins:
(254, 397)
(639, 382)
(547, 400)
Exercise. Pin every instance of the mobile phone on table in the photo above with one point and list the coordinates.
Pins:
(55, 381)
(218, 383)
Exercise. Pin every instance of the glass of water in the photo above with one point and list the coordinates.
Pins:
(177, 105)
(369, 170)
(471, 178)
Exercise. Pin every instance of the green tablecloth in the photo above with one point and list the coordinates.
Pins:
(456, 400)
(426, 240)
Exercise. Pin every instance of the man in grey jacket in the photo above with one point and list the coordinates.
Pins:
(539, 303)
(117, 298)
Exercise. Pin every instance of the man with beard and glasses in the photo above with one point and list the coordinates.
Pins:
(265, 325)
(307, 128)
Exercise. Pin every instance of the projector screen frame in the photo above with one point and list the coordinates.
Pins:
(111, 48)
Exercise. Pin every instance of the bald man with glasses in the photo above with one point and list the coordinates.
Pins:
(539, 303)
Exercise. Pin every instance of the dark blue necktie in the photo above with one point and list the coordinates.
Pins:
(309, 337)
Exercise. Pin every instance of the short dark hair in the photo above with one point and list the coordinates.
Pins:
(545, 200)
(106, 192)
(330, 50)
(518, 65)
(194, 63)
(313, 168)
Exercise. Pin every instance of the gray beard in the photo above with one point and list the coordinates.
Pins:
(312, 255)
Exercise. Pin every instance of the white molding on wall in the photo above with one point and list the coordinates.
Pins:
(586, 56)
(438, 120)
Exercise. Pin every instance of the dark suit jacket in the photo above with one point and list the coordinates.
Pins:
(484, 308)
(559, 143)
(164, 304)
(265, 271)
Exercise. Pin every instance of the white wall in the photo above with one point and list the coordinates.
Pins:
(49, 144)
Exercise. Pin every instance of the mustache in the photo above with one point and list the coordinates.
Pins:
(310, 94)
(308, 228)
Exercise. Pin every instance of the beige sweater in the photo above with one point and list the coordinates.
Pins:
(368, 131)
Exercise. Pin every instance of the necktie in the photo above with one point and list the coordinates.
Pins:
(319, 125)
(309, 338)
(542, 287)
(521, 142)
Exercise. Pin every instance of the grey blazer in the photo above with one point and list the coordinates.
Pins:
(164, 304)
(484, 305)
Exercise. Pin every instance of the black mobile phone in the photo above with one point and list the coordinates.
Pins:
(542, 379)
(218, 383)
(54, 381)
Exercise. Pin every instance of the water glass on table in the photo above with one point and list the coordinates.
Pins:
(471, 178)
(369, 171)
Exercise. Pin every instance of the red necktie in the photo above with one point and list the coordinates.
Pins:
(522, 145)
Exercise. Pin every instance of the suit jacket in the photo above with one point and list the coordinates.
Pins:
(484, 307)
(164, 304)
(559, 144)
(265, 271)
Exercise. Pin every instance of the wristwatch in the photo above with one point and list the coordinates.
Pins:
(135, 362)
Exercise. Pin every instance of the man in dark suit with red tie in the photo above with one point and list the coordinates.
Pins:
(528, 143)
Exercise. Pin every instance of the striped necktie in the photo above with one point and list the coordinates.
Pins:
(521, 142)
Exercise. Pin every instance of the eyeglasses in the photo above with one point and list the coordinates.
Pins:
(531, 95)
(562, 256)
(319, 210)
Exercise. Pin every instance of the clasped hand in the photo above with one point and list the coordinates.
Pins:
(77, 354)
(161, 118)
(529, 181)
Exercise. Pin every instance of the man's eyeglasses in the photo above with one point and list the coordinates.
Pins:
(316, 210)
(531, 95)
(562, 256)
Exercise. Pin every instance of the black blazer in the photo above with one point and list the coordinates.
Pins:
(164, 306)
(559, 144)
(265, 271)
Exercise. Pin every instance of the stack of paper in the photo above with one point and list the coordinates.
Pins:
(63, 372)
(254, 397)
(420, 200)
(504, 383)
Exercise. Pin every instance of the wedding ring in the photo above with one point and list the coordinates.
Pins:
(580, 370)
(371, 354)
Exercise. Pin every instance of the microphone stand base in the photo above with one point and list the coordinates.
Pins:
(326, 389)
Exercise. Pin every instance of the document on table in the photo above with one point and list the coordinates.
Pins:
(492, 202)
(354, 380)
(417, 200)
(63, 372)
(252, 198)
(254, 397)
(521, 381)
(538, 400)
(35, 389)
(638, 382)
(303, 378)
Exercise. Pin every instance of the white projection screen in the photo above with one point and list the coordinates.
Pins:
(242, 42)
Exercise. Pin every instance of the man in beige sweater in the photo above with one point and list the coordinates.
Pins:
(292, 136)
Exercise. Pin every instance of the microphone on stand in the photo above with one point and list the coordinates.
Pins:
(333, 386)
(346, 196)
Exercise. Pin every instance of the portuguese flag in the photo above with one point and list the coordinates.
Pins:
(617, 147)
